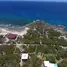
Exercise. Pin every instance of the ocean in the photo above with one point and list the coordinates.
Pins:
(19, 13)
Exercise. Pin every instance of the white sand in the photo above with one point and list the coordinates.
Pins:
(4, 31)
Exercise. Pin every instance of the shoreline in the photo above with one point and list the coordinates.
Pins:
(26, 23)
(21, 30)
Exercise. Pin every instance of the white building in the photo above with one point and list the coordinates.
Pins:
(51, 65)
(24, 56)
(48, 64)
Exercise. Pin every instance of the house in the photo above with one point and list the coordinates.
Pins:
(11, 36)
(24, 56)
(51, 65)
(48, 64)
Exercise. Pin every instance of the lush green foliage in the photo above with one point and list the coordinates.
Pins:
(52, 59)
(41, 38)
(33, 61)
(7, 56)
(63, 63)
(39, 34)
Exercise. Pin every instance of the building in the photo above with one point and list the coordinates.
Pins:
(11, 36)
(24, 56)
(51, 65)
(48, 64)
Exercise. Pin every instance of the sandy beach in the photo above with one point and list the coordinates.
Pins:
(21, 32)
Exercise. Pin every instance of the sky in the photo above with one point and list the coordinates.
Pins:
(37, 0)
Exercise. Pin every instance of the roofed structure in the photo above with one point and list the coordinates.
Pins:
(48, 64)
(24, 56)
(11, 36)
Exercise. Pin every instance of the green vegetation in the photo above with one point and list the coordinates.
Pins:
(11, 60)
(31, 49)
(46, 41)
(33, 61)
(7, 56)
(63, 63)
(52, 59)
(39, 34)
(41, 40)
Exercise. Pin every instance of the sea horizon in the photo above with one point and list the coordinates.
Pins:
(17, 13)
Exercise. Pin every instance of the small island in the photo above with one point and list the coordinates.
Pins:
(33, 45)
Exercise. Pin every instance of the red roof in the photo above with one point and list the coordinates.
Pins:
(11, 36)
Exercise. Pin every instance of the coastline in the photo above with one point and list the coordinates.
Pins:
(21, 30)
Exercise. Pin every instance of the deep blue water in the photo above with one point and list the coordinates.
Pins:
(21, 13)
